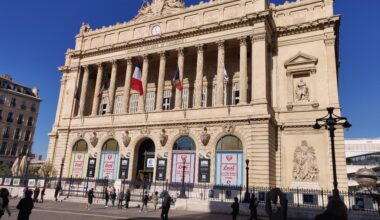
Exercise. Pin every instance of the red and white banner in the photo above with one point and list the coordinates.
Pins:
(77, 165)
(229, 169)
(108, 167)
(180, 160)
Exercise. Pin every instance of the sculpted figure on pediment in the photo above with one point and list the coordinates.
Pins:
(159, 7)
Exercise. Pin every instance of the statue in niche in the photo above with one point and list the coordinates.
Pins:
(205, 137)
(163, 137)
(302, 91)
(94, 139)
(305, 165)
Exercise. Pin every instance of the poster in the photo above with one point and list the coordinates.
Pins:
(41, 183)
(161, 170)
(150, 163)
(91, 167)
(7, 181)
(1, 181)
(229, 169)
(31, 183)
(16, 182)
(204, 171)
(177, 167)
(124, 165)
(77, 165)
(108, 166)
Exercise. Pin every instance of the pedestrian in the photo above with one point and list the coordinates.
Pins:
(235, 208)
(166, 202)
(155, 200)
(121, 197)
(113, 196)
(127, 198)
(335, 210)
(26, 189)
(36, 194)
(57, 191)
(144, 202)
(107, 198)
(4, 202)
(25, 206)
(42, 195)
(90, 197)
(253, 207)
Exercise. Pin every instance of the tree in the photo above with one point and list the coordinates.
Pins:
(5, 170)
(47, 170)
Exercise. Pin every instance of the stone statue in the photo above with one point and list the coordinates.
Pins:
(94, 139)
(302, 91)
(305, 165)
(205, 137)
(84, 28)
(163, 137)
(126, 139)
(159, 7)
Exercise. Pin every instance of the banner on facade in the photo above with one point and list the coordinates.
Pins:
(161, 170)
(108, 166)
(124, 165)
(91, 167)
(77, 165)
(229, 169)
(204, 171)
(179, 161)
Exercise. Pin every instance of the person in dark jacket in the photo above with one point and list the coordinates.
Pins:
(121, 197)
(4, 202)
(107, 198)
(36, 194)
(25, 206)
(335, 210)
(127, 198)
(235, 208)
(42, 195)
(90, 197)
(144, 201)
(56, 192)
(113, 196)
(166, 202)
(253, 207)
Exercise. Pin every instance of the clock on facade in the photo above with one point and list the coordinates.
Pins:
(156, 30)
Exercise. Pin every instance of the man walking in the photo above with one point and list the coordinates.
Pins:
(127, 198)
(253, 207)
(57, 191)
(166, 205)
(90, 197)
(145, 200)
(121, 197)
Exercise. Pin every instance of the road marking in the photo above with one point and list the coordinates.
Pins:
(78, 213)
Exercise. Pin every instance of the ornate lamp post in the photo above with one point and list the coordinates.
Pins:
(182, 193)
(367, 178)
(330, 121)
(247, 197)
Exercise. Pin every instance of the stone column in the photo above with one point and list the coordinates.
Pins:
(243, 81)
(161, 81)
(259, 67)
(199, 77)
(99, 79)
(220, 77)
(178, 93)
(111, 91)
(145, 70)
(82, 101)
(332, 69)
(127, 85)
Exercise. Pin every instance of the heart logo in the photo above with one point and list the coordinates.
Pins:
(229, 157)
(228, 182)
(79, 157)
(183, 157)
(109, 157)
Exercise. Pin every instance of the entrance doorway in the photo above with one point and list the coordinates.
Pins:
(145, 161)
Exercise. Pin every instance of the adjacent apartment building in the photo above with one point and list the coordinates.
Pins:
(18, 115)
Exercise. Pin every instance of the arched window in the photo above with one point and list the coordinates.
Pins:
(184, 143)
(229, 143)
(80, 146)
(111, 145)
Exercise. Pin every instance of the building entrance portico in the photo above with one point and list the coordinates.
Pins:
(144, 164)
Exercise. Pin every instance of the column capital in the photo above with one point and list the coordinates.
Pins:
(221, 44)
(146, 56)
(163, 54)
(100, 65)
(258, 37)
(114, 62)
(243, 40)
(200, 47)
(181, 51)
(86, 67)
(129, 60)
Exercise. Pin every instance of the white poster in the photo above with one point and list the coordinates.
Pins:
(179, 160)
(108, 166)
(229, 169)
(78, 165)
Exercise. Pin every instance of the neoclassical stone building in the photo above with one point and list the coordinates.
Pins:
(255, 76)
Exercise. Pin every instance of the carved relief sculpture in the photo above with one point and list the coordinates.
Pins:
(126, 139)
(184, 131)
(229, 128)
(94, 139)
(205, 137)
(163, 137)
(159, 7)
(305, 165)
(302, 91)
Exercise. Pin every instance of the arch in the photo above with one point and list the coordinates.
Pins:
(80, 146)
(111, 145)
(184, 143)
(143, 159)
(214, 141)
(229, 143)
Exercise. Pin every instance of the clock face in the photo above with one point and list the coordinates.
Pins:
(156, 30)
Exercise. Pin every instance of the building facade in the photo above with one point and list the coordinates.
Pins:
(254, 76)
(18, 116)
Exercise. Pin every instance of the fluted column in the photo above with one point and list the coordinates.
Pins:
(111, 91)
(99, 79)
(259, 68)
(161, 80)
(82, 101)
(127, 85)
(199, 77)
(243, 82)
(144, 80)
(220, 77)
(178, 93)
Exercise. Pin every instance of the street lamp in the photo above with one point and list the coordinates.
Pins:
(182, 193)
(60, 173)
(330, 121)
(247, 197)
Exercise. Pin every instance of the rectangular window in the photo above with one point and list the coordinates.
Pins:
(118, 108)
(1, 114)
(204, 96)
(14, 149)
(103, 106)
(27, 134)
(17, 134)
(20, 119)
(185, 98)
(6, 132)
(167, 100)
(235, 93)
(2, 99)
(10, 117)
(13, 102)
(3, 148)
(150, 101)
(133, 103)
(23, 105)
(30, 121)
(33, 107)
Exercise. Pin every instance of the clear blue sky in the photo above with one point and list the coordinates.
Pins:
(34, 35)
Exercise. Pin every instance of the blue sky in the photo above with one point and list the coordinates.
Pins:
(35, 35)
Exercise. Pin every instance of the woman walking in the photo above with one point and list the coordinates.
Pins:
(25, 206)
(155, 200)
(107, 198)
(113, 196)
(90, 197)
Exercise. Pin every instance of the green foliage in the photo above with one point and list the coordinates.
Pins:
(47, 170)
(5, 170)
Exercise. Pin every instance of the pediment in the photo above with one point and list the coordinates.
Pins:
(300, 59)
(156, 8)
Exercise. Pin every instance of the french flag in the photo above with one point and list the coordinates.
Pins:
(104, 87)
(136, 83)
(176, 81)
